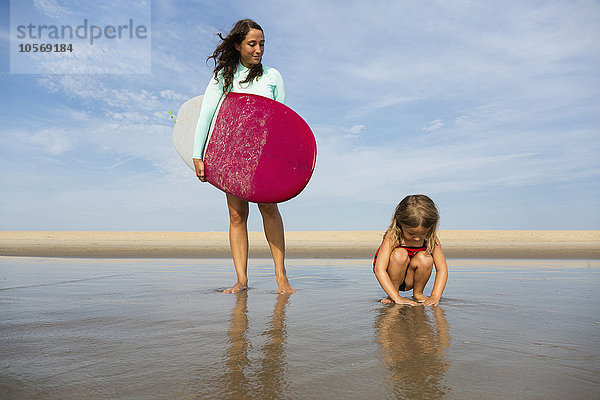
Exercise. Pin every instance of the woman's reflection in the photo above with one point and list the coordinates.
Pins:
(264, 378)
(273, 365)
(237, 361)
(413, 348)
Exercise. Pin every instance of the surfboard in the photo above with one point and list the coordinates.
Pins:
(258, 149)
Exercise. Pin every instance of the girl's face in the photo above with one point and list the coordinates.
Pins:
(252, 48)
(417, 234)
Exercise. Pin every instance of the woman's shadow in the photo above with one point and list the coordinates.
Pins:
(412, 344)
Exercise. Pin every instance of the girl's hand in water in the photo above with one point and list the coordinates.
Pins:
(401, 301)
(199, 165)
(406, 302)
(431, 301)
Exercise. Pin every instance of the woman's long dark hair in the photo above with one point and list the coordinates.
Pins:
(227, 58)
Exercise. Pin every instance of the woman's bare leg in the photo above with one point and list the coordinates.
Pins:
(238, 241)
(273, 226)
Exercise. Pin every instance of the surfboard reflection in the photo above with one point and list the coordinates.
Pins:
(248, 377)
(413, 343)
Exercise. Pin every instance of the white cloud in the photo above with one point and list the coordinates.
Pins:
(51, 8)
(104, 90)
(53, 141)
(356, 129)
(352, 133)
(460, 159)
(434, 125)
(171, 95)
(131, 117)
(380, 102)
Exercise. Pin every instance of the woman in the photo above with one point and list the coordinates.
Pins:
(238, 68)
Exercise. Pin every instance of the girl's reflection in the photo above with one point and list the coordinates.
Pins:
(265, 378)
(413, 348)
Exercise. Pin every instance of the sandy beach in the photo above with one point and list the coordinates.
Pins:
(508, 244)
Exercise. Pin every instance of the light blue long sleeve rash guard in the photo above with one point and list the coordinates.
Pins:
(270, 85)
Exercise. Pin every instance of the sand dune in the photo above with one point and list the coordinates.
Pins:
(317, 244)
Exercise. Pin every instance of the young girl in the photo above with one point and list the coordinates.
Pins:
(239, 68)
(409, 250)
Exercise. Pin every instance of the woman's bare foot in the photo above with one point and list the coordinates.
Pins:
(238, 287)
(284, 286)
(419, 297)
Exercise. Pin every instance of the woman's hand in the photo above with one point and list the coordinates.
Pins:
(199, 165)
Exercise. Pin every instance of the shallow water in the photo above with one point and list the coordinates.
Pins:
(138, 329)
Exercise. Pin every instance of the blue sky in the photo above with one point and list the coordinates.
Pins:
(491, 108)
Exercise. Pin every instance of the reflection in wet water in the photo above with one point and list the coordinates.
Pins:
(273, 366)
(112, 329)
(246, 378)
(413, 341)
(237, 361)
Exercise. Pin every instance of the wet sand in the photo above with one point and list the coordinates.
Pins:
(456, 244)
(162, 328)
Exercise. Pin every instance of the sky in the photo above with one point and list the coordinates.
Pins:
(491, 108)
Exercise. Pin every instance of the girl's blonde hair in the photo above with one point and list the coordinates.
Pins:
(415, 211)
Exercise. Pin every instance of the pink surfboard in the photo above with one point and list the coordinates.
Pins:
(258, 149)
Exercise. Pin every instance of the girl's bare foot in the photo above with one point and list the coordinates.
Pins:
(238, 287)
(419, 297)
(284, 286)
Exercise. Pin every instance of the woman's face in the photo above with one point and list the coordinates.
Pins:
(252, 48)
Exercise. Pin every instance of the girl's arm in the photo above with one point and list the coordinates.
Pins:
(383, 259)
(441, 275)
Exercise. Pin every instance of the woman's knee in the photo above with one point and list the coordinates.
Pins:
(237, 219)
(238, 216)
(238, 210)
(268, 209)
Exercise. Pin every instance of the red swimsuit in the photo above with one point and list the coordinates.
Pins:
(411, 251)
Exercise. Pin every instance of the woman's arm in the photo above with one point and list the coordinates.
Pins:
(210, 101)
(441, 275)
(279, 89)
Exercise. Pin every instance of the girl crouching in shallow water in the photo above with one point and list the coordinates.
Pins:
(409, 251)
